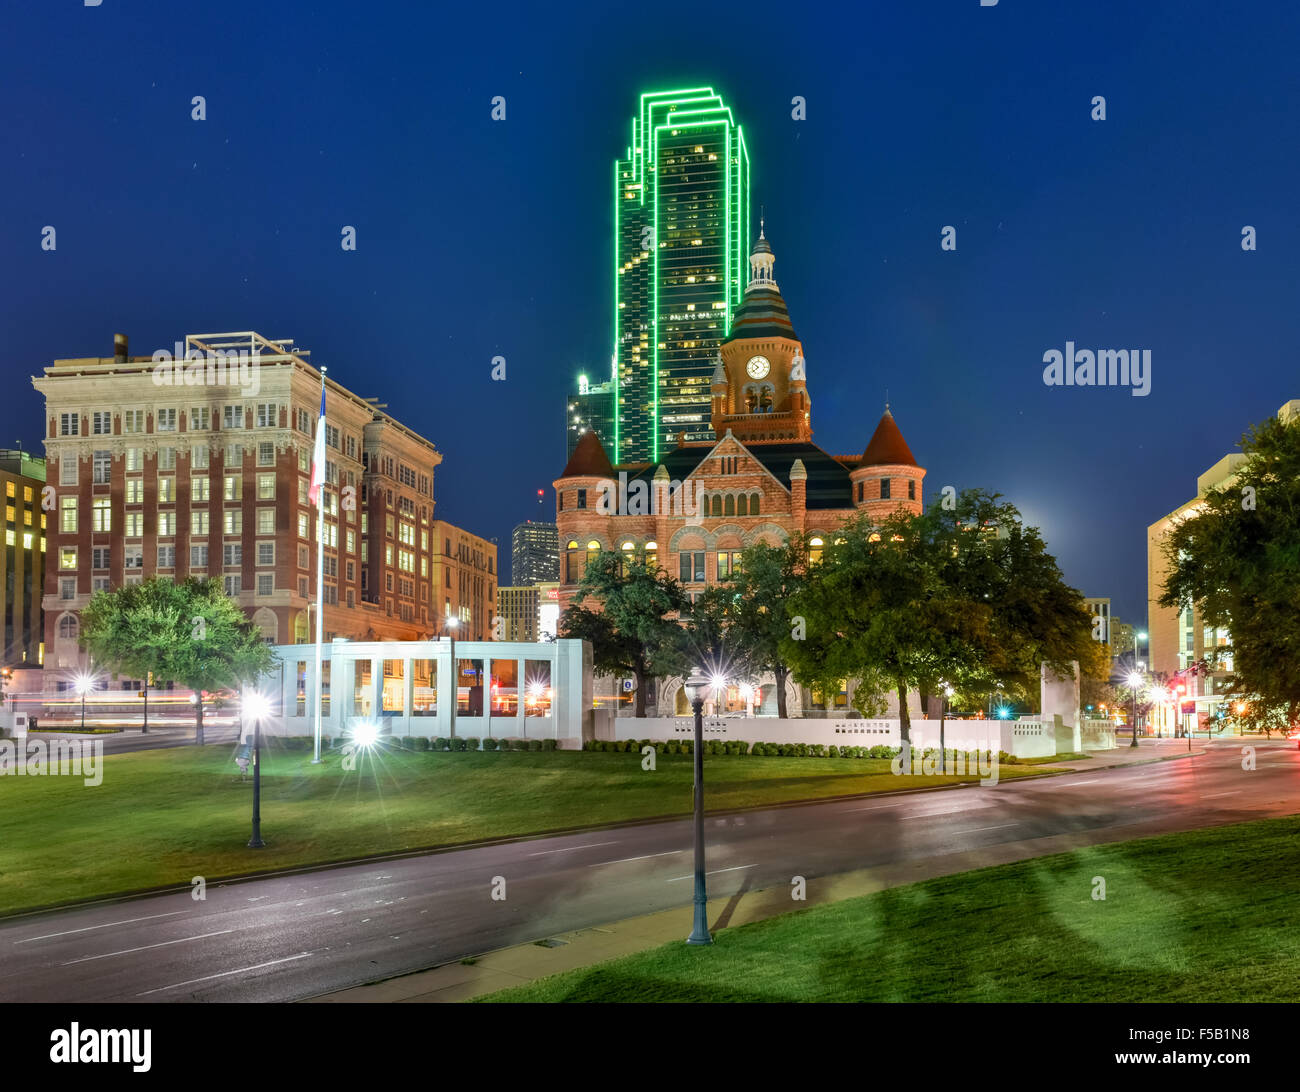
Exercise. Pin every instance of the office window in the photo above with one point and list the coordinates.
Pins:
(103, 467)
(99, 583)
(351, 539)
(303, 556)
(232, 554)
(134, 524)
(691, 566)
(198, 557)
(199, 523)
(166, 458)
(166, 524)
(68, 514)
(200, 418)
(167, 420)
(133, 556)
(134, 491)
(166, 490)
(133, 421)
(234, 455)
(266, 521)
(101, 515)
(302, 491)
(265, 583)
(69, 424)
(265, 454)
(133, 459)
(99, 556)
(68, 469)
(199, 458)
(231, 583)
(265, 487)
(266, 553)
(166, 557)
(232, 417)
(68, 558)
(199, 489)
(303, 526)
(232, 522)
(233, 488)
(101, 423)
(268, 415)
(67, 587)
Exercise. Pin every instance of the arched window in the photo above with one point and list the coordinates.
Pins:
(572, 562)
(716, 505)
(729, 509)
(753, 504)
(69, 627)
(742, 505)
(652, 554)
(593, 551)
(815, 547)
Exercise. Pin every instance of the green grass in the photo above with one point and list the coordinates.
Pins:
(1204, 916)
(162, 817)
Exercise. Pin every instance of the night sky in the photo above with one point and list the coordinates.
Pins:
(479, 238)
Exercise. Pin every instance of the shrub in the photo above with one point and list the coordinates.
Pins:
(416, 743)
(490, 744)
(832, 751)
(817, 750)
(589, 744)
(672, 747)
(659, 746)
(519, 744)
(550, 745)
(534, 744)
(471, 743)
(439, 743)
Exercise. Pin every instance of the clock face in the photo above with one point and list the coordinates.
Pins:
(758, 367)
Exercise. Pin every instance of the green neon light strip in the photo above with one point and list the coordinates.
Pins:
(618, 322)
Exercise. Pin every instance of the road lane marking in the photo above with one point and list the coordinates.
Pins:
(223, 974)
(570, 849)
(1000, 826)
(734, 868)
(145, 948)
(1092, 781)
(1234, 792)
(874, 807)
(106, 925)
(646, 857)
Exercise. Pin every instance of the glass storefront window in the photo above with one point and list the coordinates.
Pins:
(424, 679)
(469, 688)
(537, 688)
(505, 688)
(361, 695)
(394, 686)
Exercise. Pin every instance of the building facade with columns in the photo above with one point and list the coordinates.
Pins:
(760, 479)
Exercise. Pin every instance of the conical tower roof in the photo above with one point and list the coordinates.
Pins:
(887, 446)
(589, 459)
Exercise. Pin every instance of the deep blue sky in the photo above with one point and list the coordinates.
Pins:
(478, 238)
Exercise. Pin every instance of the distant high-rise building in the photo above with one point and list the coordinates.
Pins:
(22, 562)
(517, 613)
(534, 554)
(681, 234)
(591, 409)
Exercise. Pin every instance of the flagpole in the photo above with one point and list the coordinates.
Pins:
(320, 573)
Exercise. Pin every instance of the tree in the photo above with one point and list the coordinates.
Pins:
(187, 632)
(768, 578)
(634, 630)
(1237, 557)
(963, 595)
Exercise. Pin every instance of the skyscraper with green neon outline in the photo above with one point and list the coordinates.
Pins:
(681, 237)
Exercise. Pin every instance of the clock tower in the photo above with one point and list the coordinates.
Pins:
(759, 385)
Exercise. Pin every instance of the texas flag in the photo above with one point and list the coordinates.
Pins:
(318, 459)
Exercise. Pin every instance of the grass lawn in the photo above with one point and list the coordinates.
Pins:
(163, 817)
(1204, 916)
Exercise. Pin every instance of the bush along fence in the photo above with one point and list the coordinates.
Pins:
(777, 750)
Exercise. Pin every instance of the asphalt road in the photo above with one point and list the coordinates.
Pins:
(293, 936)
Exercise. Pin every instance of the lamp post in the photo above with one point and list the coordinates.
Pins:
(84, 683)
(257, 708)
(696, 686)
(1134, 681)
(449, 625)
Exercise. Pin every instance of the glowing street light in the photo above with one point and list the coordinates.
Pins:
(84, 684)
(365, 734)
(696, 686)
(257, 707)
(449, 625)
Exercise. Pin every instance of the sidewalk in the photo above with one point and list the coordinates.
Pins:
(525, 963)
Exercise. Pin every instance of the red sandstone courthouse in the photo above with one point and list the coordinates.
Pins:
(761, 480)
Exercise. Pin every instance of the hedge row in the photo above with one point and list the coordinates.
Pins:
(768, 750)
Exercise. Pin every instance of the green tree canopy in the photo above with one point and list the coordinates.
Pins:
(633, 627)
(188, 632)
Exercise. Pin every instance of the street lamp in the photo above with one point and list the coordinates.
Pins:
(1134, 681)
(256, 706)
(449, 625)
(696, 686)
(84, 684)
